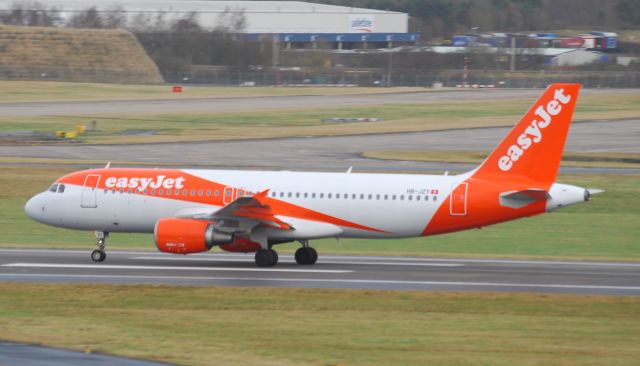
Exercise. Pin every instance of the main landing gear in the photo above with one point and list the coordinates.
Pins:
(306, 255)
(99, 255)
(266, 257)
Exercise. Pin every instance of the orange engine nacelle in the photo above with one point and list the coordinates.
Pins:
(184, 236)
(242, 245)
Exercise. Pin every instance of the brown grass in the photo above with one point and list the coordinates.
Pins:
(76, 54)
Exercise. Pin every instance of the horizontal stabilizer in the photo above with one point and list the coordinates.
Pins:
(518, 199)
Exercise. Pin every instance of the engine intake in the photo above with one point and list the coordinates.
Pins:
(184, 236)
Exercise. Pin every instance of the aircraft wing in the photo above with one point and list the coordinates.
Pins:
(241, 214)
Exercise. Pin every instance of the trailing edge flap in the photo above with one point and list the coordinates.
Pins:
(518, 199)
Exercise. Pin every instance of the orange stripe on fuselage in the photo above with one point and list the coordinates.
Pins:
(143, 181)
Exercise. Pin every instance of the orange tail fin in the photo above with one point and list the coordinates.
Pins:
(533, 149)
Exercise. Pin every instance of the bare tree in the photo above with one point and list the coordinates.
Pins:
(30, 14)
(89, 18)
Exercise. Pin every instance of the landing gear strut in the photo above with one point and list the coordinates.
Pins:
(306, 255)
(99, 255)
(266, 257)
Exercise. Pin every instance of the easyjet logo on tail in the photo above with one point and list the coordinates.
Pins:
(160, 181)
(534, 131)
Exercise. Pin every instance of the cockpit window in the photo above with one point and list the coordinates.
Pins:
(53, 188)
(61, 188)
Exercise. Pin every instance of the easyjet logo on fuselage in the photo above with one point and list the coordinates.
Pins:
(160, 181)
(533, 132)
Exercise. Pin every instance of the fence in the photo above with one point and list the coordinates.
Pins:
(417, 78)
(536, 79)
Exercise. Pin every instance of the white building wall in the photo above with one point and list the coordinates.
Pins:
(325, 23)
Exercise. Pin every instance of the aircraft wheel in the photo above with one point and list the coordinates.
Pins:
(314, 255)
(98, 256)
(266, 258)
(306, 255)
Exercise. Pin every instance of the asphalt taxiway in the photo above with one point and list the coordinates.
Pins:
(331, 271)
(340, 152)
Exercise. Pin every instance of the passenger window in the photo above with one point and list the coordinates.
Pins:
(61, 188)
(386, 197)
(337, 195)
(184, 192)
(435, 198)
(417, 198)
(297, 194)
(401, 197)
(321, 195)
(208, 192)
(160, 192)
(289, 194)
(53, 188)
(328, 195)
(410, 198)
(216, 193)
(200, 192)
(377, 196)
(353, 196)
(346, 196)
(370, 196)
(313, 195)
(281, 194)
(306, 194)
(362, 196)
(129, 191)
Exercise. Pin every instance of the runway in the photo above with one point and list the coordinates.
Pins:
(331, 271)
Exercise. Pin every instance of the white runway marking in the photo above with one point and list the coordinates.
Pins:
(361, 281)
(339, 257)
(321, 260)
(111, 266)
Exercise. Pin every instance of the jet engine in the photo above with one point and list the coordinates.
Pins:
(184, 236)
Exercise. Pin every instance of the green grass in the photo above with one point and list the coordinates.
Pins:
(308, 122)
(47, 91)
(259, 326)
(605, 228)
(573, 159)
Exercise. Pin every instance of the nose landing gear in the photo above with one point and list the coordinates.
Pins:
(99, 254)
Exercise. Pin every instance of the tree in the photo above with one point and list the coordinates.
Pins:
(89, 18)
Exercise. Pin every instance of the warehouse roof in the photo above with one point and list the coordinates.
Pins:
(202, 6)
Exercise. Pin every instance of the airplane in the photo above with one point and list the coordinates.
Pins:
(191, 211)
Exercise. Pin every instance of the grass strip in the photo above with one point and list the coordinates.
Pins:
(260, 326)
(145, 128)
(569, 159)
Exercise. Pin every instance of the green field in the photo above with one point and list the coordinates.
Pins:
(572, 159)
(605, 228)
(49, 91)
(265, 326)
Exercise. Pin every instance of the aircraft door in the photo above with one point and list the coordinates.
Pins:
(458, 200)
(89, 191)
(229, 195)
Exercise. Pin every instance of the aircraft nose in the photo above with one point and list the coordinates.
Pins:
(35, 207)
